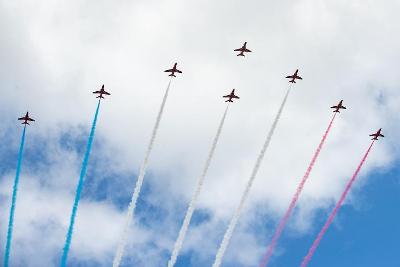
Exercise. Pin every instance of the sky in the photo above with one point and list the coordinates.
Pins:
(54, 54)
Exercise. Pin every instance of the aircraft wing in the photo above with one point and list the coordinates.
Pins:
(235, 96)
(29, 119)
(21, 119)
(96, 92)
(382, 135)
(298, 77)
(106, 93)
(290, 76)
(239, 49)
(334, 107)
(170, 70)
(178, 71)
(247, 50)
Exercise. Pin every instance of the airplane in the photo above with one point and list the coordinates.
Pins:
(377, 134)
(294, 77)
(26, 119)
(231, 96)
(242, 50)
(101, 92)
(173, 70)
(338, 107)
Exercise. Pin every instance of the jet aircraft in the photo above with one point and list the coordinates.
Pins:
(338, 107)
(173, 70)
(26, 119)
(294, 77)
(231, 96)
(101, 92)
(242, 50)
(377, 134)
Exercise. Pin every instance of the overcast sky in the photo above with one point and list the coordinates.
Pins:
(53, 54)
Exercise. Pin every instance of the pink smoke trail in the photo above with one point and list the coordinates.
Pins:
(314, 246)
(289, 211)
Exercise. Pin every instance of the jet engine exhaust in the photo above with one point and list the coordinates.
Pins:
(139, 183)
(79, 189)
(289, 211)
(339, 204)
(14, 200)
(232, 224)
(190, 210)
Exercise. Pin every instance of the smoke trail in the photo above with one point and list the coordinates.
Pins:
(189, 213)
(14, 200)
(78, 190)
(314, 246)
(138, 186)
(285, 218)
(235, 218)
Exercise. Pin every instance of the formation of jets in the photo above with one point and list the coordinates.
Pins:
(26, 119)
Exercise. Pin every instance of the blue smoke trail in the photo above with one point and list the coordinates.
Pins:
(78, 191)
(13, 201)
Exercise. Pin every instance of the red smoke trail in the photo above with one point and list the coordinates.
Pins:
(314, 246)
(289, 211)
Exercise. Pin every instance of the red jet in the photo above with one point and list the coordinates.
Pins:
(101, 92)
(173, 70)
(242, 50)
(377, 134)
(294, 77)
(231, 96)
(338, 107)
(26, 119)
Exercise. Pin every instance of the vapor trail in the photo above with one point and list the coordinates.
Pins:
(314, 246)
(235, 218)
(78, 190)
(138, 186)
(192, 204)
(14, 200)
(285, 218)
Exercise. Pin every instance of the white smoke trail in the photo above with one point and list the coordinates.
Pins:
(138, 186)
(232, 224)
(192, 204)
